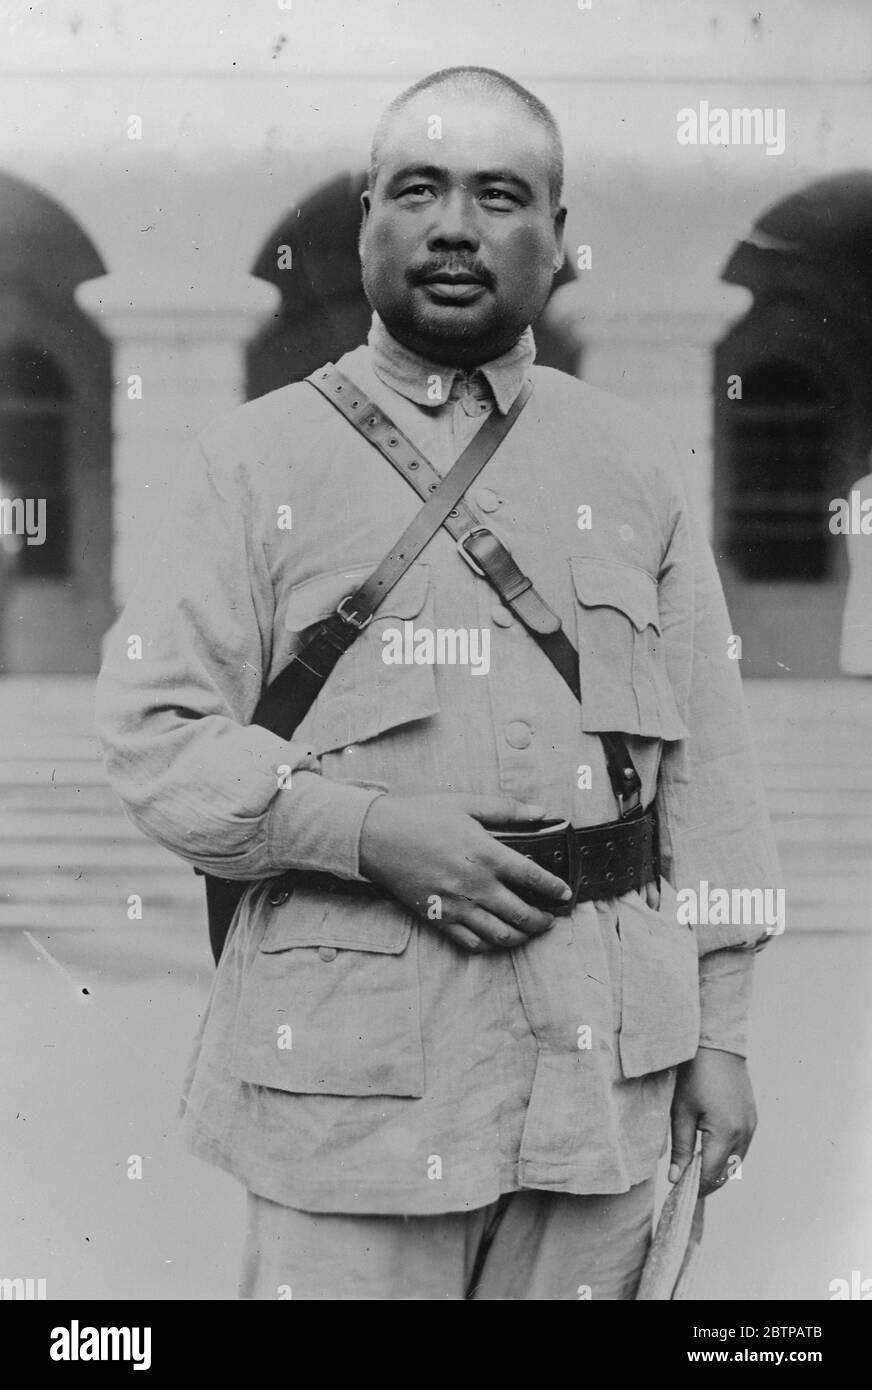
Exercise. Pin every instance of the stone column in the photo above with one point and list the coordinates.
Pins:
(179, 362)
(664, 361)
(855, 654)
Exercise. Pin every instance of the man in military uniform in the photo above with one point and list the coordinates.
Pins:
(439, 1083)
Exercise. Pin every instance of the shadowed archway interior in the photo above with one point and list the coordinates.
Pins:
(793, 422)
(55, 441)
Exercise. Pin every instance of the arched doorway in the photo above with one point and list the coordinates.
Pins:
(793, 423)
(311, 257)
(34, 481)
(55, 442)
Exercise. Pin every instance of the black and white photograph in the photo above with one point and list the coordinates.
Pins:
(436, 661)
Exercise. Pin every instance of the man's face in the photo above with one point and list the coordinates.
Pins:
(459, 241)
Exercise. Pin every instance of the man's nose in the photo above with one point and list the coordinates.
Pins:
(455, 222)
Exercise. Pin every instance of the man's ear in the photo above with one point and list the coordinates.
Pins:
(366, 204)
(559, 238)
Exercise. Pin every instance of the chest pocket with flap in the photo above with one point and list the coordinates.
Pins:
(364, 696)
(622, 663)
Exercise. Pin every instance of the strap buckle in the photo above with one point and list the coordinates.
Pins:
(634, 796)
(461, 548)
(352, 618)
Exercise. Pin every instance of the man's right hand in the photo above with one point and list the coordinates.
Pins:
(422, 848)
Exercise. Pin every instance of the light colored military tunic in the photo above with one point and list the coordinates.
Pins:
(351, 1057)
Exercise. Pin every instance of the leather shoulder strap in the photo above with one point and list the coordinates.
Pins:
(478, 546)
(442, 495)
(284, 703)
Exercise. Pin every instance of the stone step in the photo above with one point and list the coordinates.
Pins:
(134, 855)
(164, 883)
(48, 916)
(90, 827)
(31, 740)
(847, 802)
(60, 800)
(48, 772)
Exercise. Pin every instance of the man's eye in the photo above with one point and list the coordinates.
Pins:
(417, 190)
(501, 196)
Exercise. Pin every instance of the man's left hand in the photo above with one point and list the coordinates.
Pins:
(712, 1094)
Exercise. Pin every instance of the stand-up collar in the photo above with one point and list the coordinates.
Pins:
(412, 376)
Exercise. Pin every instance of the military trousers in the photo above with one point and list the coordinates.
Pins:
(525, 1245)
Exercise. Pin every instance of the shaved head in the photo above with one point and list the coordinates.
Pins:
(483, 82)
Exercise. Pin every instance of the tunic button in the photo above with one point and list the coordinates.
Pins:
(502, 617)
(519, 734)
(488, 500)
(327, 952)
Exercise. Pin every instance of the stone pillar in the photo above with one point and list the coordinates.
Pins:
(855, 654)
(664, 361)
(179, 362)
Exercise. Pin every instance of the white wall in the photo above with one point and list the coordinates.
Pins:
(245, 107)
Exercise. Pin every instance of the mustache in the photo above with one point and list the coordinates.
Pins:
(453, 265)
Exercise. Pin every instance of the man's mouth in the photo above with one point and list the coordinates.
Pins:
(456, 286)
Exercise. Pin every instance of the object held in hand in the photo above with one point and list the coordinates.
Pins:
(671, 1261)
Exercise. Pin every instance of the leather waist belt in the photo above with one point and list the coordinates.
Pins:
(597, 861)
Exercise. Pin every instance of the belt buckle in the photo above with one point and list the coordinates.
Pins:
(352, 618)
(635, 796)
(461, 548)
